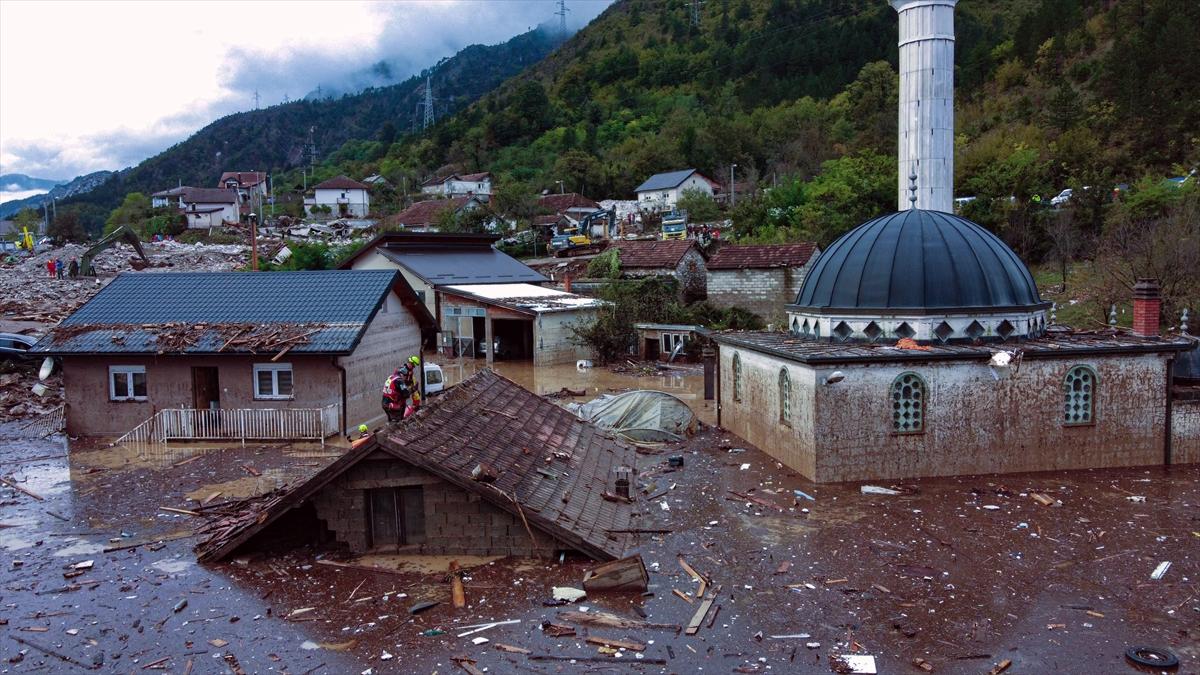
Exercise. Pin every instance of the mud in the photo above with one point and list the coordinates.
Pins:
(937, 574)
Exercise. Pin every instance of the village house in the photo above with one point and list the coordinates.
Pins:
(206, 208)
(761, 279)
(516, 322)
(247, 184)
(665, 341)
(460, 185)
(918, 344)
(570, 205)
(424, 216)
(458, 478)
(680, 259)
(661, 192)
(168, 198)
(268, 342)
(432, 263)
(342, 196)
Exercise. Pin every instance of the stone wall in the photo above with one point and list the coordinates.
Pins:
(762, 291)
(392, 336)
(457, 522)
(1185, 432)
(316, 383)
(974, 424)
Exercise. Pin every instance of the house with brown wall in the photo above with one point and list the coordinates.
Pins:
(679, 258)
(235, 341)
(488, 468)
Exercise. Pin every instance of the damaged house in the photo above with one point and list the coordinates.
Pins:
(489, 468)
(235, 341)
(759, 278)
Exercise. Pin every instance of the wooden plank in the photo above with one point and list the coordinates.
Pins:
(693, 626)
(683, 596)
(615, 643)
(18, 488)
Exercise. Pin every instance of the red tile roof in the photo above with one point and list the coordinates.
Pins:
(560, 203)
(424, 214)
(731, 257)
(474, 177)
(245, 179)
(639, 254)
(341, 183)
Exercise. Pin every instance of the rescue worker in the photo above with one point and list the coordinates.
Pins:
(409, 372)
(73, 268)
(395, 395)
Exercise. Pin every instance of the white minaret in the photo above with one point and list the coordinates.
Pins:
(926, 103)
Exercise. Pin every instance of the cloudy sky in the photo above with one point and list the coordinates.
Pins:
(97, 85)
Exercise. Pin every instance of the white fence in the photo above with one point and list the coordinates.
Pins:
(242, 424)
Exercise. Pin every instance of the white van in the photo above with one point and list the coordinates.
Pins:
(434, 380)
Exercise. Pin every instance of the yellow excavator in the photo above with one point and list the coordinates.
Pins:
(122, 233)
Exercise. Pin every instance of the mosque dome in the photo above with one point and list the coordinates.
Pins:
(927, 275)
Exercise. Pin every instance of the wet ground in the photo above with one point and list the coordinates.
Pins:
(964, 573)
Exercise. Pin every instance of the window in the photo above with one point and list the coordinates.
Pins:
(273, 380)
(672, 340)
(433, 377)
(127, 383)
(737, 377)
(1079, 402)
(785, 397)
(908, 404)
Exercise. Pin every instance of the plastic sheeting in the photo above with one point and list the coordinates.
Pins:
(641, 416)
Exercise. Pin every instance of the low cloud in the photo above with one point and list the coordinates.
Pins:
(413, 36)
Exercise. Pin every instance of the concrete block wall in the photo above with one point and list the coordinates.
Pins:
(762, 291)
(553, 341)
(1185, 432)
(457, 522)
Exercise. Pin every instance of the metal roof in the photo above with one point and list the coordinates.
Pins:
(129, 315)
(665, 181)
(446, 265)
(918, 259)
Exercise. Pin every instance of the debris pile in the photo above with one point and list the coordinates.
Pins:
(17, 400)
(31, 295)
(179, 337)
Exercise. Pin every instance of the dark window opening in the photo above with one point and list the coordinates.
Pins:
(396, 516)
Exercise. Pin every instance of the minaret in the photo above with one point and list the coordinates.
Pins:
(926, 103)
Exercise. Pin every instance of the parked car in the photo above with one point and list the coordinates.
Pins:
(1061, 198)
(15, 345)
(434, 380)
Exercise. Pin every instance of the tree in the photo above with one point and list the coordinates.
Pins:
(700, 206)
(516, 200)
(1066, 240)
(28, 218)
(133, 211)
(67, 227)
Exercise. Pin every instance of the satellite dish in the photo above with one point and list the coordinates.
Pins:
(47, 368)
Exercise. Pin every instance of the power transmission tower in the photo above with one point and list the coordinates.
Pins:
(424, 108)
(256, 99)
(562, 17)
(695, 11)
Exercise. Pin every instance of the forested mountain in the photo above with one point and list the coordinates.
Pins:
(277, 137)
(1050, 94)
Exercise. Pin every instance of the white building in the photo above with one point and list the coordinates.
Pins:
(247, 183)
(661, 192)
(208, 207)
(343, 196)
(460, 185)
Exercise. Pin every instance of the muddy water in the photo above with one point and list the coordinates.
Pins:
(683, 381)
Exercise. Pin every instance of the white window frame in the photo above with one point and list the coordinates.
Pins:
(129, 372)
(274, 369)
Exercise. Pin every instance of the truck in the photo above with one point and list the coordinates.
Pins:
(674, 225)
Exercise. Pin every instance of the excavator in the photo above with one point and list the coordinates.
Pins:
(121, 233)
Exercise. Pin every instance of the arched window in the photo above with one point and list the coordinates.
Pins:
(737, 377)
(785, 397)
(908, 403)
(1079, 396)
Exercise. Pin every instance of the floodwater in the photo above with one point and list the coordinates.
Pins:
(963, 572)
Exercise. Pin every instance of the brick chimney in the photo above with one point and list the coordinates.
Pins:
(567, 283)
(1147, 301)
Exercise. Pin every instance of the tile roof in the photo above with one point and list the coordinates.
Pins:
(642, 254)
(665, 181)
(491, 420)
(244, 178)
(441, 266)
(195, 195)
(474, 177)
(138, 311)
(425, 213)
(340, 183)
(1055, 342)
(560, 203)
(731, 257)
(173, 192)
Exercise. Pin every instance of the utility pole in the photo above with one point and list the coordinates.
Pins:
(560, 187)
(732, 188)
(562, 17)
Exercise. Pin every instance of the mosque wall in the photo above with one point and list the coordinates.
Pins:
(1185, 432)
(974, 423)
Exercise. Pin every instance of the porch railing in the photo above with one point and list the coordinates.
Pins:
(240, 424)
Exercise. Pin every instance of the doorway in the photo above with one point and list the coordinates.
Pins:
(206, 389)
(651, 349)
(396, 516)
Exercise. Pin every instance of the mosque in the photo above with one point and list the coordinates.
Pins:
(919, 345)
